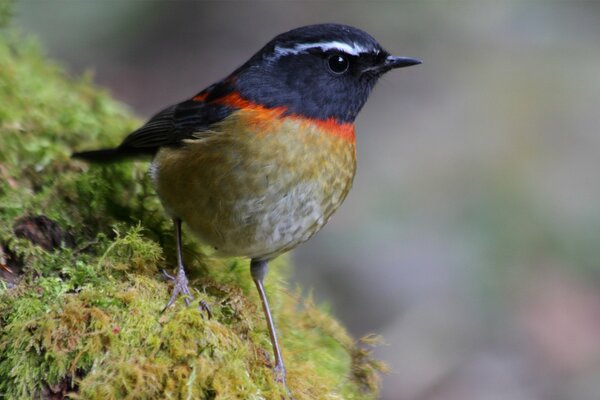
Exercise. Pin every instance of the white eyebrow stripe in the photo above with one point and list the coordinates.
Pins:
(354, 49)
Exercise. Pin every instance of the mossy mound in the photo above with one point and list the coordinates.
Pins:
(81, 250)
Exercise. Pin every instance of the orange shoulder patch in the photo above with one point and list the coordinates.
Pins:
(201, 97)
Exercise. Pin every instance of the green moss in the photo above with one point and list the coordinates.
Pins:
(84, 320)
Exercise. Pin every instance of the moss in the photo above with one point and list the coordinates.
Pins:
(83, 318)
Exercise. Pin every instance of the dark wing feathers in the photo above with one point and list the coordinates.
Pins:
(192, 116)
(158, 131)
(170, 127)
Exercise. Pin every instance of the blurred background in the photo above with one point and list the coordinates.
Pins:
(471, 238)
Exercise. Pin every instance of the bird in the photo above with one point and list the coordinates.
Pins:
(257, 163)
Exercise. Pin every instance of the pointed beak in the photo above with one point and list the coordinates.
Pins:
(392, 62)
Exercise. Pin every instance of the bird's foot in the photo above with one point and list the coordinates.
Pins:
(181, 288)
(279, 375)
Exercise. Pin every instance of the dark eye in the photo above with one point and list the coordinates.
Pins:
(338, 63)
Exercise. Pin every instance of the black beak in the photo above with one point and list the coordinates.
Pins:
(392, 62)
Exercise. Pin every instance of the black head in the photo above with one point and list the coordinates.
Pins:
(317, 71)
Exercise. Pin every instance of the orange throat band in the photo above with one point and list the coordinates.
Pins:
(265, 114)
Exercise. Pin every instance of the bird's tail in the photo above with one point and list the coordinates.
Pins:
(102, 155)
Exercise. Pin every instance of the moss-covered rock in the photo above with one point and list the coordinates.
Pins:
(81, 249)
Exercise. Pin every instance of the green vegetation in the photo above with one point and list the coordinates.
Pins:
(81, 288)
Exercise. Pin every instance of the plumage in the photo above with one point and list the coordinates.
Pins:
(257, 163)
(169, 127)
(255, 187)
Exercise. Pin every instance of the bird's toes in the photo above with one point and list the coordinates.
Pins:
(203, 307)
(179, 288)
(167, 275)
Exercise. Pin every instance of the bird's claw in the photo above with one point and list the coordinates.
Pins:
(203, 306)
(279, 376)
(167, 275)
(181, 287)
(279, 372)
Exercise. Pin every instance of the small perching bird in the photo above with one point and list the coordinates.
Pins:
(257, 163)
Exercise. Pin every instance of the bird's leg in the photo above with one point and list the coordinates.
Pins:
(259, 269)
(180, 280)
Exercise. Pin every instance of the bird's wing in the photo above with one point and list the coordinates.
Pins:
(173, 125)
(169, 127)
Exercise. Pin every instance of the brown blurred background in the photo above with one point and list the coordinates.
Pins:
(471, 239)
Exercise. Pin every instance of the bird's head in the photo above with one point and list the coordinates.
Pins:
(317, 71)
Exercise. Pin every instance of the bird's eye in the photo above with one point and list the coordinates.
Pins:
(338, 63)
